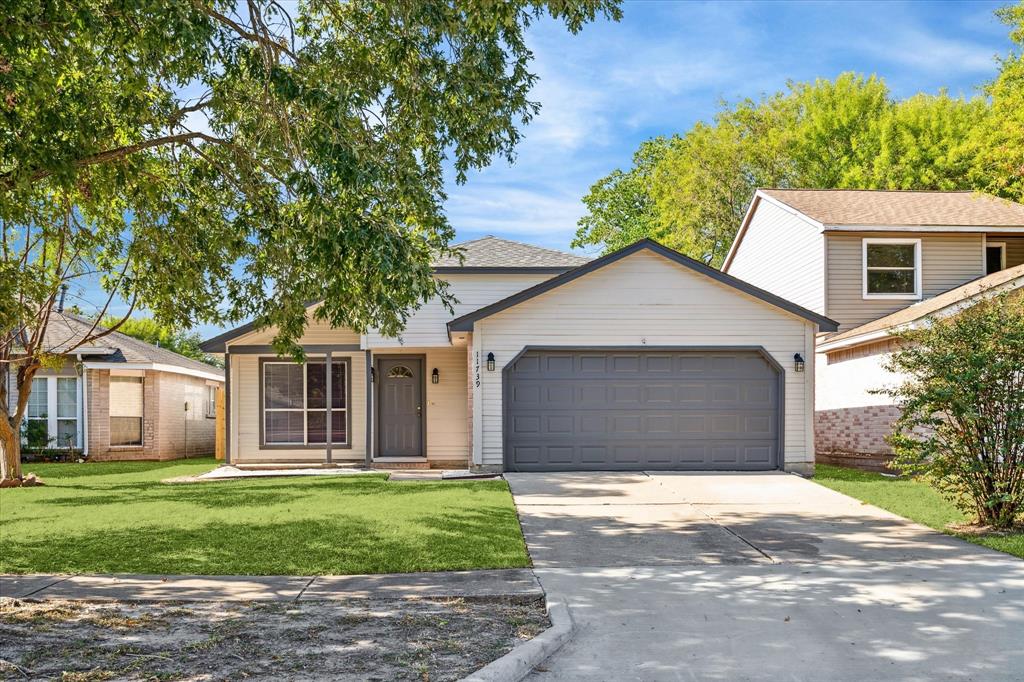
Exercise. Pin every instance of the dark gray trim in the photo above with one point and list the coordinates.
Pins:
(368, 455)
(257, 349)
(263, 445)
(227, 408)
(502, 270)
(506, 398)
(465, 323)
(422, 357)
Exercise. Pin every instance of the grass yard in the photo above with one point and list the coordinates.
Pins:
(912, 499)
(118, 518)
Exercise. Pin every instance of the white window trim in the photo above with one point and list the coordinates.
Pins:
(304, 409)
(1002, 256)
(51, 418)
(916, 296)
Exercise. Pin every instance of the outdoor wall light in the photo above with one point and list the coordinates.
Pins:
(435, 376)
(798, 361)
(490, 362)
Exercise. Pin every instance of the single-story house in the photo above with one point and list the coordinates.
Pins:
(640, 359)
(119, 398)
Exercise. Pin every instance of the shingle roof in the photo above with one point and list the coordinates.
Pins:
(1008, 277)
(494, 252)
(64, 330)
(901, 208)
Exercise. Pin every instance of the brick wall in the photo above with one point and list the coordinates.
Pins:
(854, 436)
(167, 432)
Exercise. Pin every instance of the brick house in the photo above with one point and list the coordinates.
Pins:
(120, 399)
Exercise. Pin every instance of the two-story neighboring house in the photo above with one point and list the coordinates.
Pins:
(875, 262)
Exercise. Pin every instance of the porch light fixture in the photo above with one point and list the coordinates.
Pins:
(490, 362)
(435, 376)
(798, 361)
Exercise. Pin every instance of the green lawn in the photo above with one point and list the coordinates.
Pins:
(912, 499)
(118, 518)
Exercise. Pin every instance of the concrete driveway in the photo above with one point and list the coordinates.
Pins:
(761, 576)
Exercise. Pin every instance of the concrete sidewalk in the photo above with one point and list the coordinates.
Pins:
(518, 585)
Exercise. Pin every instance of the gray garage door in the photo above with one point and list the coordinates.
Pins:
(641, 409)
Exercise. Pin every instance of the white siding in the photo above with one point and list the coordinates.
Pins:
(849, 379)
(784, 254)
(427, 326)
(647, 299)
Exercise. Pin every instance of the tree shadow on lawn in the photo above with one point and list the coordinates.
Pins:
(483, 537)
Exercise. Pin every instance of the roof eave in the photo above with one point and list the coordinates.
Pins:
(465, 322)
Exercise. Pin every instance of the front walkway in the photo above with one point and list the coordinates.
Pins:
(761, 576)
(514, 584)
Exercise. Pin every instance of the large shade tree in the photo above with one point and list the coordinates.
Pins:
(211, 160)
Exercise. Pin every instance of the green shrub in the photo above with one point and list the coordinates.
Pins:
(962, 408)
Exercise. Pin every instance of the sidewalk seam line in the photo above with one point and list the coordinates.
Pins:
(48, 586)
(304, 588)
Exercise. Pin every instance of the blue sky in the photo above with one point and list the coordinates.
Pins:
(666, 65)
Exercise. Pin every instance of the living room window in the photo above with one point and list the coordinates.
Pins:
(892, 268)
(126, 411)
(295, 403)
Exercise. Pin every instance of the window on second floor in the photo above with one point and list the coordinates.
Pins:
(892, 268)
(995, 257)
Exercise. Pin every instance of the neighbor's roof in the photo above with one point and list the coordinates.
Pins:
(64, 330)
(897, 208)
(504, 254)
(1010, 278)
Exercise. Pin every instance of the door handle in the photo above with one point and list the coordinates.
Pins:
(419, 410)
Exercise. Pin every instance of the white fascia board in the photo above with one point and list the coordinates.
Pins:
(156, 367)
(945, 311)
(923, 228)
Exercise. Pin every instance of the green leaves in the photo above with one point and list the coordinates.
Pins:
(231, 161)
(962, 407)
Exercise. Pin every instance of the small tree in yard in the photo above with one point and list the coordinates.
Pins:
(962, 422)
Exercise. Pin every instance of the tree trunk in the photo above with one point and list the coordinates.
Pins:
(10, 450)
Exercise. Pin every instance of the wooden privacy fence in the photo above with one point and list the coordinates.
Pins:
(218, 447)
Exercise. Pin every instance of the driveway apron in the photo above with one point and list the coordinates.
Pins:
(761, 576)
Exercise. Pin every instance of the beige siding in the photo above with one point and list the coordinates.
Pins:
(647, 299)
(427, 326)
(316, 332)
(1014, 248)
(947, 261)
(246, 414)
(784, 254)
(446, 402)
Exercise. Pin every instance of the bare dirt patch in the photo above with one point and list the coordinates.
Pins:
(366, 639)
